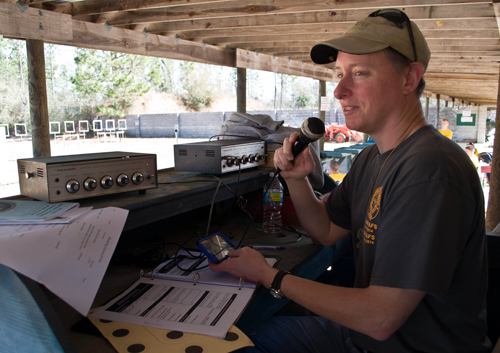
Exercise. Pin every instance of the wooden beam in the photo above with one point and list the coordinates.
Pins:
(321, 113)
(60, 29)
(469, 11)
(358, 9)
(256, 61)
(493, 209)
(90, 7)
(34, 24)
(241, 90)
(39, 110)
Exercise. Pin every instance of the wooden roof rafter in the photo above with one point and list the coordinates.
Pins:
(273, 35)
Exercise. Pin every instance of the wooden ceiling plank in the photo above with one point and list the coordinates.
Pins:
(455, 13)
(254, 7)
(255, 61)
(309, 39)
(91, 7)
(326, 30)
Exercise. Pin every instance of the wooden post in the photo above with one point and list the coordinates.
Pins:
(493, 210)
(437, 110)
(241, 90)
(321, 113)
(427, 108)
(39, 111)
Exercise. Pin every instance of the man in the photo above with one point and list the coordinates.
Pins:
(444, 129)
(412, 203)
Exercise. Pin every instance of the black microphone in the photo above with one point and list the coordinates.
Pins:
(312, 129)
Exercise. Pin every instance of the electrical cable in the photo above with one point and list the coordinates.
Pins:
(212, 206)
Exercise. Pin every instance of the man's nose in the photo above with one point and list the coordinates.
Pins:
(342, 89)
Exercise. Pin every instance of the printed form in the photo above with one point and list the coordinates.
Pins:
(69, 259)
(180, 306)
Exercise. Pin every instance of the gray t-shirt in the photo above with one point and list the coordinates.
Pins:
(424, 229)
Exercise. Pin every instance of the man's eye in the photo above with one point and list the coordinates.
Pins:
(359, 73)
(340, 75)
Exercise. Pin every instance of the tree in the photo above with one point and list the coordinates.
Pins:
(109, 82)
(197, 84)
(14, 102)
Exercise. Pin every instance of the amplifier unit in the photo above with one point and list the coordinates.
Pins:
(62, 178)
(219, 156)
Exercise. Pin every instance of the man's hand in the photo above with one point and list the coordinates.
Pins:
(297, 167)
(248, 264)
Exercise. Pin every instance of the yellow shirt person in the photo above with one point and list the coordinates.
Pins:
(444, 129)
(334, 172)
(470, 151)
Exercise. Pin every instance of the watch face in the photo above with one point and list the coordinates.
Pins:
(276, 293)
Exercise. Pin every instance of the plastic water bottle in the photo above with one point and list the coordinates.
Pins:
(273, 201)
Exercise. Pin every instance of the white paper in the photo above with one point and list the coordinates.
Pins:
(33, 210)
(70, 259)
(65, 218)
(194, 269)
(179, 306)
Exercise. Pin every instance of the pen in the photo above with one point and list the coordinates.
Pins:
(266, 247)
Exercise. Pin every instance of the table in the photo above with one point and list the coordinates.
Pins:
(302, 258)
(169, 212)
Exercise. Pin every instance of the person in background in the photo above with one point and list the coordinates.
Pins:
(411, 202)
(473, 157)
(476, 152)
(444, 129)
(334, 172)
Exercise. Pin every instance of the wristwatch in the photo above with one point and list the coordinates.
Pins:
(275, 288)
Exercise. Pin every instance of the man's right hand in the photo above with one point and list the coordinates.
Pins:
(297, 167)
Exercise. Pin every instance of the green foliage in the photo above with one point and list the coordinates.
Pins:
(14, 96)
(110, 82)
(83, 82)
(198, 86)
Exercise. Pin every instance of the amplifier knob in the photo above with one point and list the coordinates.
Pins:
(244, 159)
(72, 186)
(122, 180)
(251, 158)
(107, 182)
(90, 184)
(137, 178)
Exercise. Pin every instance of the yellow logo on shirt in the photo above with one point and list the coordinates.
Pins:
(375, 204)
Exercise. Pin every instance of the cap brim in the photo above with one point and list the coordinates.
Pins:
(326, 52)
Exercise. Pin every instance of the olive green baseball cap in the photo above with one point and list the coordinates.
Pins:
(372, 34)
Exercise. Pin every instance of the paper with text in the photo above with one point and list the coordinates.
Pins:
(193, 267)
(179, 306)
(69, 259)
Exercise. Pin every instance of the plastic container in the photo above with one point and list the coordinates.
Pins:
(273, 202)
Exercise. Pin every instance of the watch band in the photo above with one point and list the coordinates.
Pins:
(276, 285)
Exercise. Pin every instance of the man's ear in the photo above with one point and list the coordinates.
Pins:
(414, 74)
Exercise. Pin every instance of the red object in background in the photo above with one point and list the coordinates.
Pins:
(341, 133)
(486, 168)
